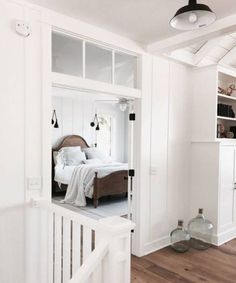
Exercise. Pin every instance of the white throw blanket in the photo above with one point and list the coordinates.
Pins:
(81, 183)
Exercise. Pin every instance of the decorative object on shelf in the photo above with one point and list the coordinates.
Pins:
(228, 91)
(221, 133)
(201, 231)
(54, 120)
(221, 90)
(233, 130)
(180, 238)
(225, 110)
(95, 123)
(230, 135)
(218, 131)
(193, 16)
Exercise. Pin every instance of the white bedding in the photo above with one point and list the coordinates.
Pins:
(80, 179)
(63, 174)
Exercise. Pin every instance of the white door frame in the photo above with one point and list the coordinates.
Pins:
(50, 79)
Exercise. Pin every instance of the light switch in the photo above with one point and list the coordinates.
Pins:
(153, 170)
(34, 183)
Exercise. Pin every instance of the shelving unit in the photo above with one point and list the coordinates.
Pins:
(213, 159)
(226, 98)
(225, 78)
(226, 118)
(206, 98)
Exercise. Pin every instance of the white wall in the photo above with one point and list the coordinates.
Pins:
(170, 150)
(20, 109)
(75, 112)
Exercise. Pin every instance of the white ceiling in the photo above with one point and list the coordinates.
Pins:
(220, 50)
(145, 21)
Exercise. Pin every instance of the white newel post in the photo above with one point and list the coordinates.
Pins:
(117, 265)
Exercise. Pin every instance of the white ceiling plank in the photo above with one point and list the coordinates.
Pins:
(217, 53)
(221, 27)
(230, 53)
(195, 47)
(198, 57)
(228, 42)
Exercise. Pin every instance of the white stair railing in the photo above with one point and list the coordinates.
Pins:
(84, 250)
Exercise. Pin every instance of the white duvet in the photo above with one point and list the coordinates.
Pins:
(81, 180)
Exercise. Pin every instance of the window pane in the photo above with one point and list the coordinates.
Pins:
(98, 64)
(125, 70)
(66, 55)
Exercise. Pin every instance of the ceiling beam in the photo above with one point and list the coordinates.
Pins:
(182, 55)
(220, 27)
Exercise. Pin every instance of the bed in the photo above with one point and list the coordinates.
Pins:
(114, 183)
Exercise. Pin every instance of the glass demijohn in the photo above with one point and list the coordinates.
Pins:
(180, 238)
(201, 231)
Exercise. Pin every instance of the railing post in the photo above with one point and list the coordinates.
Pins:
(117, 264)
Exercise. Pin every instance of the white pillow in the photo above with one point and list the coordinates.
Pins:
(58, 157)
(68, 148)
(72, 156)
(94, 153)
(93, 161)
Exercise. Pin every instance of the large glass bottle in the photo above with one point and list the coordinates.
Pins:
(180, 238)
(201, 231)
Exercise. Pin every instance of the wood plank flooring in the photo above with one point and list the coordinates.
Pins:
(215, 265)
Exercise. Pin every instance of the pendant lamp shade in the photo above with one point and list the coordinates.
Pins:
(56, 125)
(193, 16)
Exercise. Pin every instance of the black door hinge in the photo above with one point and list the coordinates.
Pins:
(131, 172)
(132, 116)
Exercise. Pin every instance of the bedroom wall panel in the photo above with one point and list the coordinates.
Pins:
(76, 113)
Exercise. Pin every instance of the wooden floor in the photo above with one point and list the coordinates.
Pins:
(214, 265)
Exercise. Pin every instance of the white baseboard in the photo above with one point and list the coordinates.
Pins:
(224, 237)
(156, 245)
(161, 243)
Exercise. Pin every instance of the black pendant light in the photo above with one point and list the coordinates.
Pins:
(54, 120)
(193, 16)
(95, 123)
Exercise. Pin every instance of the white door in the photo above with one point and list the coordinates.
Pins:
(227, 188)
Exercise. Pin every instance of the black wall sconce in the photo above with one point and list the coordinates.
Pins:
(95, 123)
(54, 120)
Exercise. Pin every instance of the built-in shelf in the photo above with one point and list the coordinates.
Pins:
(226, 98)
(226, 140)
(226, 118)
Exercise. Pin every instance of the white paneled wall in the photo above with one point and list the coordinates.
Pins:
(75, 112)
(170, 150)
(179, 142)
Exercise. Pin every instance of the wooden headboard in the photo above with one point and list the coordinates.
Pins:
(72, 140)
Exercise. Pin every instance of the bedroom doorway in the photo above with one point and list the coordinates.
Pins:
(92, 152)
